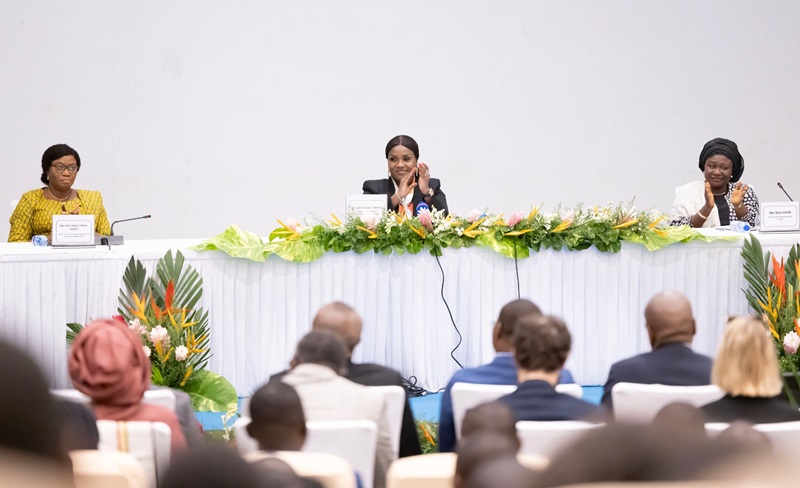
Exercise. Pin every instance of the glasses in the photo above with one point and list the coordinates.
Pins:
(72, 168)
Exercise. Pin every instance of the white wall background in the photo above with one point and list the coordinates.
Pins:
(208, 113)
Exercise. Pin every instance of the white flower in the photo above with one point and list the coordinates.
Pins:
(473, 215)
(294, 225)
(369, 222)
(791, 342)
(159, 335)
(146, 351)
(137, 327)
(181, 353)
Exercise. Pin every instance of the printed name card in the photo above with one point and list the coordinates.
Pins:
(73, 230)
(780, 217)
(369, 208)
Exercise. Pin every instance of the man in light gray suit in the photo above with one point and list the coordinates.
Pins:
(320, 360)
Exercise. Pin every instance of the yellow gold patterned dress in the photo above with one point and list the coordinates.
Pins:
(34, 213)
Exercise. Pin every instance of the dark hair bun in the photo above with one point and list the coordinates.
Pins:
(45, 179)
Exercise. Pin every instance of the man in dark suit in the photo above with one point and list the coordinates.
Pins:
(541, 346)
(345, 321)
(671, 327)
(501, 371)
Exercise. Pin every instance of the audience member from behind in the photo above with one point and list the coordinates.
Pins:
(479, 448)
(743, 434)
(501, 371)
(671, 327)
(279, 425)
(624, 452)
(28, 421)
(342, 319)
(541, 346)
(213, 466)
(78, 426)
(682, 416)
(277, 419)
(490, 417)
(502, 471)
(320, 357)
(746, 369)
(108, 364)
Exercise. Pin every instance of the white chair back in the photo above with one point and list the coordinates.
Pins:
(468, 395)
(395, 399)
(14, 204)
(354, 440)
(244, 443)
(149, 442)
(546, 438)
(640, 403)
(572, 389)
(784, 436)
(162, 397)
(105, 469)
(435, 470)
(329, 470)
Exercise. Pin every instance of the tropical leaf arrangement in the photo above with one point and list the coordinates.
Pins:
(604, 228)
(773, 292)
(163, 311)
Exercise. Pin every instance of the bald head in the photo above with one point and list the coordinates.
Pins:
(340, 319)
(506, 323)
(669, 319)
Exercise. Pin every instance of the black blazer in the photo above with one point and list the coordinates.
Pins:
(369, 374)
(672, 364)
(758, 410)
(386, 187)
(539, 400)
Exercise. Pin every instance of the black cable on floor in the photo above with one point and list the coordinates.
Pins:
(452, 320)
(412, 390)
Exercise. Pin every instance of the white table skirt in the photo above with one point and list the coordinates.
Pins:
(258, 311)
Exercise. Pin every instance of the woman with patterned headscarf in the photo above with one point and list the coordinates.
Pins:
(108, 364)
(721, 198)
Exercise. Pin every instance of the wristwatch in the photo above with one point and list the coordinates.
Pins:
(430, 192)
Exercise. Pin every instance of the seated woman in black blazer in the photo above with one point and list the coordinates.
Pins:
(409, 183)
(746, 369)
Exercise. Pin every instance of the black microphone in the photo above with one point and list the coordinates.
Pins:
(116, 240)
(784, 192)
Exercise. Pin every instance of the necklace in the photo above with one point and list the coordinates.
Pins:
(719, 194)
(62, 200)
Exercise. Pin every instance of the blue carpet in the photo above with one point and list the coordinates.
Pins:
(424, 408)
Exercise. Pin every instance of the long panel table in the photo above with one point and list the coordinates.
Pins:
(258, 311)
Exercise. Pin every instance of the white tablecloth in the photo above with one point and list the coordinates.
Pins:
(258, 311)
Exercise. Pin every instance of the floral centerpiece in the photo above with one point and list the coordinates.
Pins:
(163, 312)
(516, 236)
(774, 294)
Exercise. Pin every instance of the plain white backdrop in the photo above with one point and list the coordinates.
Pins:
(209, 113)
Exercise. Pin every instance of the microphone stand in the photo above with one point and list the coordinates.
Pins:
(115, 240)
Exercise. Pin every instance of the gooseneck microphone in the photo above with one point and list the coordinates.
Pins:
(784, 191)
(126, 220)
(115, 240)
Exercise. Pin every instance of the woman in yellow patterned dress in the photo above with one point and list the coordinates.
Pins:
(35, 210)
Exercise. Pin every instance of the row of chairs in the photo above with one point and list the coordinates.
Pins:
(632, 402)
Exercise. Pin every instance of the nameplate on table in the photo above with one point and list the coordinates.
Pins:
(366, 207)
(73, 231)
(780, 217)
